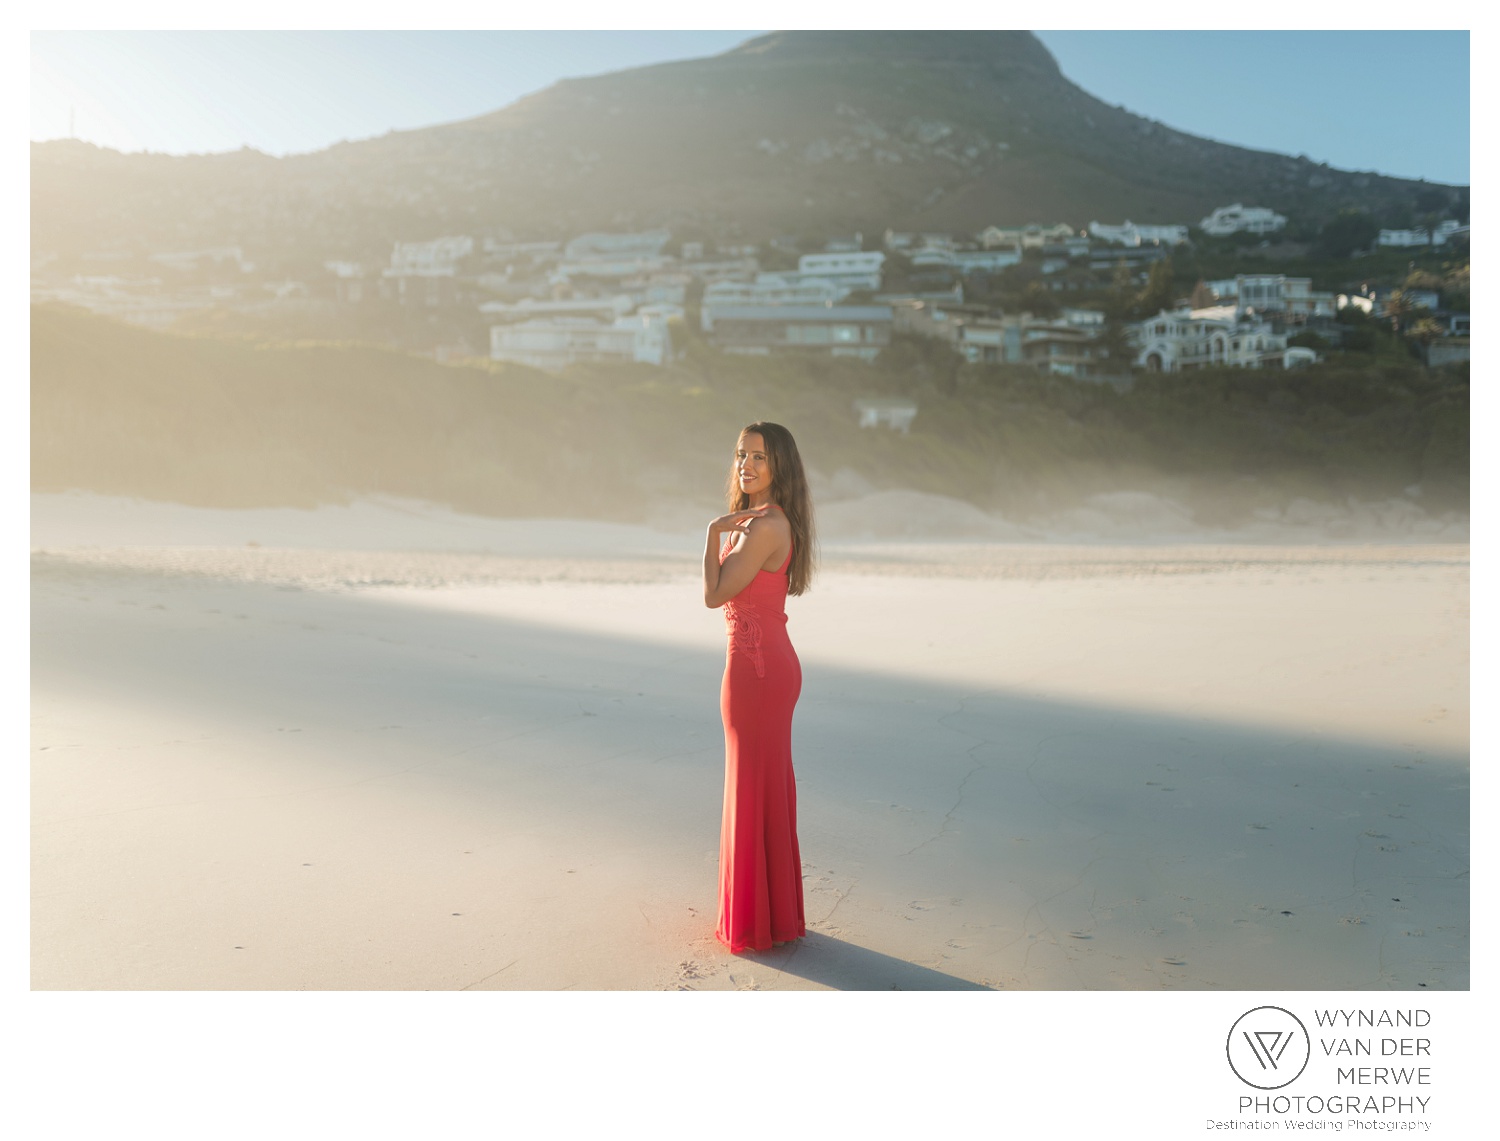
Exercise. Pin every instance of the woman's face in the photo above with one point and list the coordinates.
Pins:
(752, 465)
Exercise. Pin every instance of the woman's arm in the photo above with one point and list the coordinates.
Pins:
(723, 582)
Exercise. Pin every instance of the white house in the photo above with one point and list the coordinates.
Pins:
(1131, 234)
(437, 258)
(1403, 238)
(855, 270)
(612, 246)
(842, 330)
(968, 261)
(351, 279)
(622, 266)
(769, 289)
(896, 413)
(713, 270)
(1277, 293)
(535, 251)
(906, 240)
(1083, 318)
(1198, 338)
(965, 261)
(554, 343)
(1239, 219)
(1032, 236)
(606, 309)
(613, 255)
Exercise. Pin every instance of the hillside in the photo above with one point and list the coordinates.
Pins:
(794, 132)
(123, 411)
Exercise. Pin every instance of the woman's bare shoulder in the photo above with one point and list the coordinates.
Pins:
(773, 523)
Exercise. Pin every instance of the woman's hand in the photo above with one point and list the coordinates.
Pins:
(723, 579)
(735, 521)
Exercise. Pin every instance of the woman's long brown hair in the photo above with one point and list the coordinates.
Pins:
(789, 492)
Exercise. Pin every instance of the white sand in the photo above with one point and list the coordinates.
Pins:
(394, 747)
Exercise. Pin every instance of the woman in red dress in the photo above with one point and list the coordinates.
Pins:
(753, 557)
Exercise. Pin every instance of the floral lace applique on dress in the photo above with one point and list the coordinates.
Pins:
(745, 632)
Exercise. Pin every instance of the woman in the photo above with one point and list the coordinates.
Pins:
(767, 555)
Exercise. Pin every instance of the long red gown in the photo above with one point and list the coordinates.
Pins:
(760, 867)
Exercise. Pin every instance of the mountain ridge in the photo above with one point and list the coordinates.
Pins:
(791, 132)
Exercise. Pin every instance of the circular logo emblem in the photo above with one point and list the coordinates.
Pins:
(1268, 1047)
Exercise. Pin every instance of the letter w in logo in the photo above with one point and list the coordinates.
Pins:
(1268, 1046)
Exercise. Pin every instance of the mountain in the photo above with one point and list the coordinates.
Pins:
(793, 132)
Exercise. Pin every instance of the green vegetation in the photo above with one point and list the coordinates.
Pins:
(201, 420)
(806, 133)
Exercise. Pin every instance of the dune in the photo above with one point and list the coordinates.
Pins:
(393, 747)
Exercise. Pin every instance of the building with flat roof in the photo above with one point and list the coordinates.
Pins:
(855, 270)
(840, 330)
(768, 289)
(555, 343)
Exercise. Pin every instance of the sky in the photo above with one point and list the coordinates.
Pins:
(1396, 102)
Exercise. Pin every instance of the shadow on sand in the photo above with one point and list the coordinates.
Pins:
(1077, 845)
(846, 966)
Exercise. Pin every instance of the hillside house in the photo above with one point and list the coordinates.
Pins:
(1028, 237)
(605, 309)
(1199, 338)
(905, 241)
(349, 280)
(665, 287)
(854, 270)
(840, 330)
(610, 247)
(1445, 350)
(993, 260)
(769, 289)
(1292, 298)
(1403, 238)
(1240, 219)
(437, 258)
(1407, 238)
(1093, 319)
(1130, 234)
(533, 252)
(1137, 259)
(896, 414)
(554, 343)
(1056, 347)
(711, 270)
(426, 272)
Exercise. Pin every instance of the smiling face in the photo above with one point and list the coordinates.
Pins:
(753, 467)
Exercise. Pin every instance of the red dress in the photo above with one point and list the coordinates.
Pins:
(760, 868)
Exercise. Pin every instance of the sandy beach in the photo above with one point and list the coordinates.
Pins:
(389, 747)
